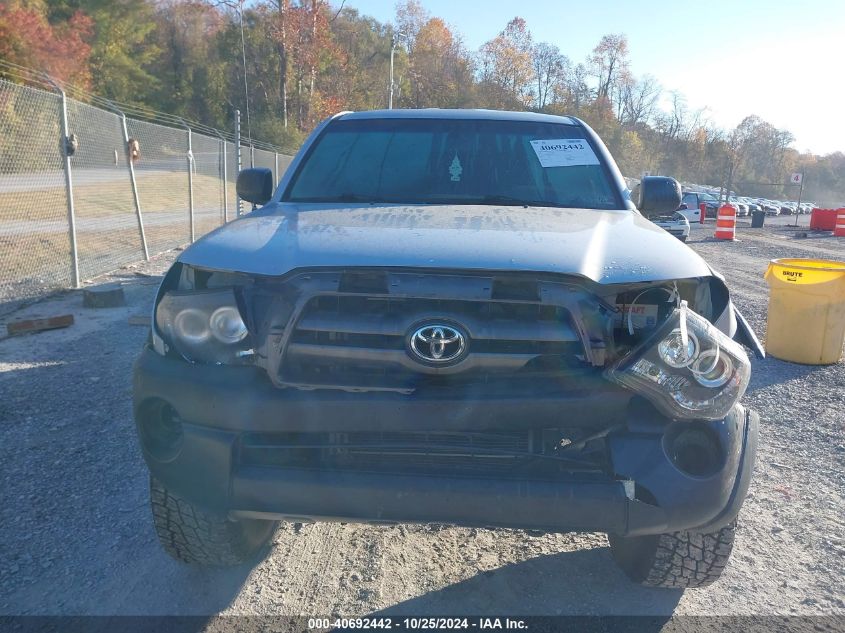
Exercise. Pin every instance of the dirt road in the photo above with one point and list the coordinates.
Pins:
(76, 535)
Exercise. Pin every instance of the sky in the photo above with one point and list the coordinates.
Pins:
(783, 61)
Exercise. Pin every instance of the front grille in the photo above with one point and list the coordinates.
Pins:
(531, 453)
(356, 336)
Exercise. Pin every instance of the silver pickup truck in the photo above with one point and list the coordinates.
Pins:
(450, 316)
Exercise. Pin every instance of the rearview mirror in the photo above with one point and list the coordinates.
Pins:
(255, 185)
(656, 195)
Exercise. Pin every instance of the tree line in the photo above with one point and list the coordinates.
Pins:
(302, 60)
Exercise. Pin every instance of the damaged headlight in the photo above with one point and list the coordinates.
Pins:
(687, 368)
(204, 327)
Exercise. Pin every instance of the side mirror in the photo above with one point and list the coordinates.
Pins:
(255, 185)
(656, 195)
(683, 207)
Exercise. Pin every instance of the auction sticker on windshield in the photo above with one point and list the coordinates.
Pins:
(564, 152)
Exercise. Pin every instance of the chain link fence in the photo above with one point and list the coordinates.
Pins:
(267, 160)
(34, 248)
(128, 187)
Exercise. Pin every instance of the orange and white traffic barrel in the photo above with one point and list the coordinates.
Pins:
(839, 227)
(725, 223)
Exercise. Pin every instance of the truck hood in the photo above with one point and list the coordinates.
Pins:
(604, 246)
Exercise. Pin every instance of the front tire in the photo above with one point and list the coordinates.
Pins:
(191, 534)
(679, 560)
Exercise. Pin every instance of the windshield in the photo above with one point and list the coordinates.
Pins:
(453, 161)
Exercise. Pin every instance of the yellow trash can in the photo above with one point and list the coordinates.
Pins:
(806, 322)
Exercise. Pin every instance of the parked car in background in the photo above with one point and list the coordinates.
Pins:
(752, 204)
(691, 201)
(739, 205)
(675, 223)
(786, 209)
(771, 207)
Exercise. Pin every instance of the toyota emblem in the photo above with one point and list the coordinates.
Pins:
(437, 343)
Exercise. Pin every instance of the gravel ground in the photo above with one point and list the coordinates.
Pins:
(76, 535)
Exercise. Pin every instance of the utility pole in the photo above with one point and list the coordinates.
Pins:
(392, 50)
(730, 183)
(800, 191)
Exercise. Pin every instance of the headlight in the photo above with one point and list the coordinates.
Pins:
(687, 368)
(676, 352)
(191, 326)
(204, 327)
(227, 325)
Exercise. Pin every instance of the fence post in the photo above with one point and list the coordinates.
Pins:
(71, 212)
(136, 199)
(225, 183)
(135, 196)
(190, 161)
(251, 154)
(276, 167)
(238, 150)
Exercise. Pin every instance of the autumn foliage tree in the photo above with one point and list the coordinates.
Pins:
(305, 49)
(62, 50)
(610, 66)
(440, 70)
(551, 72)
(290, 63)
(507, 64)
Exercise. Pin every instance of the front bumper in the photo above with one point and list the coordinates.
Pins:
(647, 493)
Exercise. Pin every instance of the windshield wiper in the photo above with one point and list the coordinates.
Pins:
(343, 197)
(513, 201)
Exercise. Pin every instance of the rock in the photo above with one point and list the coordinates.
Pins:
(106, 296)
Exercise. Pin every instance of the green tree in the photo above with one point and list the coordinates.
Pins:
(192, 74)
(124, 55)
(359, 76)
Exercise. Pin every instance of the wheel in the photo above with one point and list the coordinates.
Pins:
(683, 238)
(679, 560)
(193, 535)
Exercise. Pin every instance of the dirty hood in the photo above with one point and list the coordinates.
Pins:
(604, 246)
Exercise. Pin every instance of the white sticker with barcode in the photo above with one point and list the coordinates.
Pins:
(564, 152)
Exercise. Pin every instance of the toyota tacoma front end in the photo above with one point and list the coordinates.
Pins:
(453, 317)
